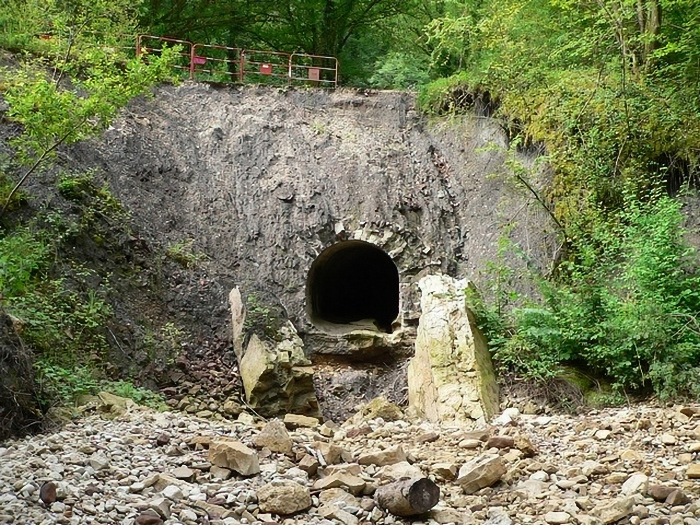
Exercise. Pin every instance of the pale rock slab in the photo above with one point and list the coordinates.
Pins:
(384, 457)
(480, 472)
(283, 497)
(451, 377)
(234, 455)
(637, 483)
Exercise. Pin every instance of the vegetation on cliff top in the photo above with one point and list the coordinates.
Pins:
(608, 92)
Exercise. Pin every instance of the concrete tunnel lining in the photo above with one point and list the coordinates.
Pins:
(352, 285)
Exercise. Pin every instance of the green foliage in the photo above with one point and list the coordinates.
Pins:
(139, 395)
(626, 307)
(63, 325)
(182, 253)
(24, 258)
(261, 319)
(609, 91)
(62, 385)
(399, 71)
(163, 346)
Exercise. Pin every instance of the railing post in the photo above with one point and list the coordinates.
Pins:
(138, 45)
(241, 69)
(193, 48)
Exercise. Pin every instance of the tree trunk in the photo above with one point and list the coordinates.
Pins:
(408, 497)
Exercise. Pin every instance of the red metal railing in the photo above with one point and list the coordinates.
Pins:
(231, 64)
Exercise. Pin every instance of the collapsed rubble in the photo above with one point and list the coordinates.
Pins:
(635, 465)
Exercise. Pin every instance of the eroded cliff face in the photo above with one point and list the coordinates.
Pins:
(264, 180)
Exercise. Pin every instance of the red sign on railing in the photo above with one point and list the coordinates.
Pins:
(229, 64)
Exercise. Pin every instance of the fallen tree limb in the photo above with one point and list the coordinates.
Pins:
(408, 497)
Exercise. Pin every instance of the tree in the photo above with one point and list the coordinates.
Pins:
(102, 79)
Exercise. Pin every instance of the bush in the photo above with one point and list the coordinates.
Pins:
(399, 71)
(626, 307)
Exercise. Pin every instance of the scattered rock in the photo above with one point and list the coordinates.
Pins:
(275, 437)
(500, 442)
(47, 492)
(148, 518)
(693, 471)
(283, 497)
(293, 421)
(234, 455)
(557, 518)
(480, 472)
(636, 484)
(385, 457)
(185, 474)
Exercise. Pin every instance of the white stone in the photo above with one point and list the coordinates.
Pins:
(637, 483)
(172, 492)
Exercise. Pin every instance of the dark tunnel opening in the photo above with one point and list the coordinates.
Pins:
(352, 285)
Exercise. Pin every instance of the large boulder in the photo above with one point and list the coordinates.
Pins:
(451, 377)
(277, 377)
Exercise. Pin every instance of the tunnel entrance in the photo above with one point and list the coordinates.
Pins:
(352, 285)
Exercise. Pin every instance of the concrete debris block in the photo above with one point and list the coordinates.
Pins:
(480, 472)
(408, 497)
(234, 455)
(277, 378)
(384, 457)
(283, 497)
(451, 377)
(275, 437)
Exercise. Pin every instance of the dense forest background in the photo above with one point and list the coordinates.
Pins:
(605, 92)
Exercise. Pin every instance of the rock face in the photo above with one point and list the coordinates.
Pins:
(451, 377)
(277, 378)
(265, 180)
